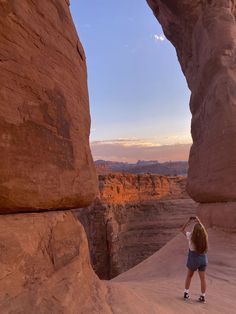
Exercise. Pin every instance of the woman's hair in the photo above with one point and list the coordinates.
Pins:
(200, 238)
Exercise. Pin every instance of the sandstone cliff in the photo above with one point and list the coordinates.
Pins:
(45, 163)
(203, 33)
(128, 188)
(45, 160)
(135, 216)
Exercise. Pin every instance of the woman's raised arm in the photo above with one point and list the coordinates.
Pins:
(188, 222)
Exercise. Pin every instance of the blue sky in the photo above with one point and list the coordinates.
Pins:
(138, 94)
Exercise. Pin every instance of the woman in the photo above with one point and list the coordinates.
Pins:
(197, 257)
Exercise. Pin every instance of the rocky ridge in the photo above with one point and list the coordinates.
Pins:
(171, 168)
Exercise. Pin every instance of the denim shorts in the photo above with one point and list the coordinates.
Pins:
(196, 261)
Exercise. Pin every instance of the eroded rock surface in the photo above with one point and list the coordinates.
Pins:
(204, 35)
(135, 217)
(219, 215)
(45, 160)
(130, 188)
(45, 266)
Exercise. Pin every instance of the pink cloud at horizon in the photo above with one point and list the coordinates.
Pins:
(132, 151)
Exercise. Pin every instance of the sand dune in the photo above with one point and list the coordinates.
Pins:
(156, 284)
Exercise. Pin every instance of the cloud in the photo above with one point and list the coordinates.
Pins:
(133, 149)
(127, 142)
(159, 37)
(147, 142)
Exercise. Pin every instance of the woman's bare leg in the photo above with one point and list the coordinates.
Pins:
(203, 281)
(188, 279)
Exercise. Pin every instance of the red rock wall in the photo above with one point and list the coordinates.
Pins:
(45, 160)
(203, 33)
(118, 188)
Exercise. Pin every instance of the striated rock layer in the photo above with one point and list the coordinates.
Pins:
(45, 160)
(135, 217)
(204, 35)
(131, 188)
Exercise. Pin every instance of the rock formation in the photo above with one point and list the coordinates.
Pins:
(44, 269)
(45, 266)
(45, 160)
(135, 217)
(204, 35)
(169, 168)
(46, 164)
(119, 189)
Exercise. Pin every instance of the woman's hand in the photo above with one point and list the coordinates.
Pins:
(192, 219)
(188, 222)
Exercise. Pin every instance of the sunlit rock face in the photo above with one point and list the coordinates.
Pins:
(45, 160)
(125, 188)
(204, 35)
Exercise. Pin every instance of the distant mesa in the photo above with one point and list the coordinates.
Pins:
(170, 168)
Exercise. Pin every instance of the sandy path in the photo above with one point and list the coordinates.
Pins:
(156, 285)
